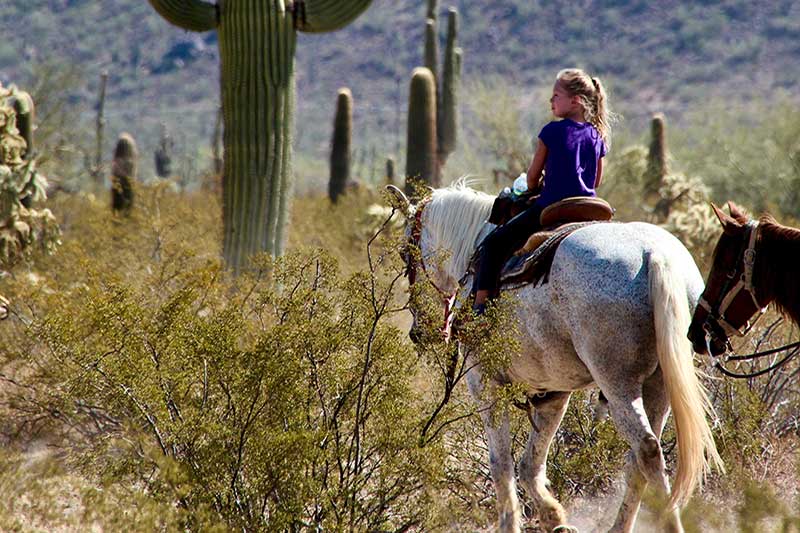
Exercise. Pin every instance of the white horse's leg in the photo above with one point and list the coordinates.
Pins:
(501, 464)
(546, 417)
(656, 406)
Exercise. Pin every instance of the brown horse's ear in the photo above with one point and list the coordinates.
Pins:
(728, 223)
(721, 216)
(737, 213)
(399, 200)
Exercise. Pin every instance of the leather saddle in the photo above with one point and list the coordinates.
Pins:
(566, 211)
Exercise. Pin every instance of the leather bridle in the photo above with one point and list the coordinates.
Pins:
(738, 279)
(412, 252)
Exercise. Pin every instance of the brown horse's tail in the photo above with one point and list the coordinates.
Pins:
(687, 396)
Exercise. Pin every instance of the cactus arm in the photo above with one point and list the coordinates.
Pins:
(448, 105)
(192, 15)
(432, 48)
(317, 16)
(432, 9)
(24, 108)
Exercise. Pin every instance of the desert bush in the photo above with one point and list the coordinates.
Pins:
(277, 408)
(184, 395)
(587, 454)
(282, 400)
(750, 157)
(494, 131)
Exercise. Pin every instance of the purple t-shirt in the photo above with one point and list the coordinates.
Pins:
(573, 149)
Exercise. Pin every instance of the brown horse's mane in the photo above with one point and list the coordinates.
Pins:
(776, 271)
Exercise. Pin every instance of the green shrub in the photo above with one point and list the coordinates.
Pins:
(277, 408)
(586, 454)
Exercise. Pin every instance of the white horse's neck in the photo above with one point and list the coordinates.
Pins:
(452, 221)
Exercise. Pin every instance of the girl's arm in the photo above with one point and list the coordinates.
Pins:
(599, 179)
(537, 166)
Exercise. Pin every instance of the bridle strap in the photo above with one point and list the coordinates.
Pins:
(744, 283)
(729, 329)
(749, 260)
(411, 271)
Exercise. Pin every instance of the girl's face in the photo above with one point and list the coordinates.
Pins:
(563, 104)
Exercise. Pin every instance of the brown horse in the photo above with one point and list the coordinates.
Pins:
(755, 264)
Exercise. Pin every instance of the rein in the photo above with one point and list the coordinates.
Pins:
(728, 294)
(755, 355)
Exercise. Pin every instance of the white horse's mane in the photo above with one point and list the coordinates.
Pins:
(455, 216)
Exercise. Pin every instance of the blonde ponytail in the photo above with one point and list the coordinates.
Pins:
(593, 98)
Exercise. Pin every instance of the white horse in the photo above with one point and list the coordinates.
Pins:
(614, 314)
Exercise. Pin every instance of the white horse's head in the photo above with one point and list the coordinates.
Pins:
(440, 234)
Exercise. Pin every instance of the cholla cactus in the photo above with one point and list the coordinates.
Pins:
(688, 217)
(257, 48)
(22, 227)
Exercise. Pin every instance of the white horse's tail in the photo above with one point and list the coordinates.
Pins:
(687, 396)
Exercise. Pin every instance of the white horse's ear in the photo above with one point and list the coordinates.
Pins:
(399, 200)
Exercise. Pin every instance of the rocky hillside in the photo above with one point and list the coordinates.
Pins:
(655, 56)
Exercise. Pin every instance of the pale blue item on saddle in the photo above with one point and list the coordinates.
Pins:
(520, 186)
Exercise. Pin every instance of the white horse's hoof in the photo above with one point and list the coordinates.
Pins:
(565, 529)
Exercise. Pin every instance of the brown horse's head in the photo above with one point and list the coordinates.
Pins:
(728, 301)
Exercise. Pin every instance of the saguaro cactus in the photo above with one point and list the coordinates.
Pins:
(100, 123)
(123, 173)
(421, 144)
(656, 169)
(163, 154)
(341, 145)
(446, 82)
(390, 170)
(257, 43)
(216, 143)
